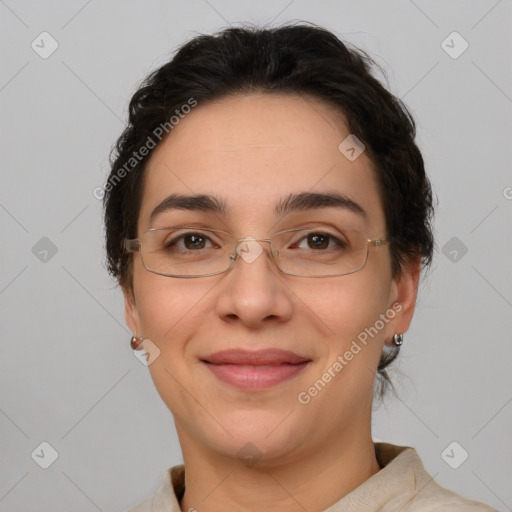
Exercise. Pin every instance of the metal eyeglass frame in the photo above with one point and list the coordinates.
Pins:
(132, 245)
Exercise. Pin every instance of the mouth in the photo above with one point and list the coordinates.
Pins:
(255, 370)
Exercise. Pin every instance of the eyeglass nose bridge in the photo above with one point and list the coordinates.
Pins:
(249, 249)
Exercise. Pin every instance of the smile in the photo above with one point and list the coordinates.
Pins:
(255, 370)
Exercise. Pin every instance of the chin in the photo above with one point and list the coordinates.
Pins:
(258, 438)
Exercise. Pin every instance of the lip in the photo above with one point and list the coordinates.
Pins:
(255, 370)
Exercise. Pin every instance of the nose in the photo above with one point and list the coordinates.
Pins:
(253, 291)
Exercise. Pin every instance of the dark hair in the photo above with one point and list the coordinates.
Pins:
(300, 59)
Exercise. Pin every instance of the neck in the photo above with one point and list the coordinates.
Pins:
(314, 482)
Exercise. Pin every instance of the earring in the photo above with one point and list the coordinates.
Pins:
(135, 342)
(398, 339)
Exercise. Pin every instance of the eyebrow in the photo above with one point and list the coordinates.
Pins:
(293, 202)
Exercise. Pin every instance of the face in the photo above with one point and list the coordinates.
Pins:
(251, 152)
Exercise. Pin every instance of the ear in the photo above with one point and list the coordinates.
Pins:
(131, 312)
(403, 298)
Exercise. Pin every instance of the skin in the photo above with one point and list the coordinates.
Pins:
(251, 150)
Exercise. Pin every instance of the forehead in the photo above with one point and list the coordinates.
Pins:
(252, 151)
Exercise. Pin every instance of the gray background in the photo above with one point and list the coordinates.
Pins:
(67, 374)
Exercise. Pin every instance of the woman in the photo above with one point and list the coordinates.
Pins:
(267, 217)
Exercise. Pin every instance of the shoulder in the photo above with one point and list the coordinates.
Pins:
(420, 492)
(435, 497)
(440, 499)
(166, 497)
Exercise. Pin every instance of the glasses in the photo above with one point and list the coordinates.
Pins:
(188, 251)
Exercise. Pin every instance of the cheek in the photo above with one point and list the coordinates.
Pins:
(351, 304)
(166, 306)
(170, 313)
(351, 308)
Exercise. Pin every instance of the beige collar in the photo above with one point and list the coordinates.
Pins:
(401, 483)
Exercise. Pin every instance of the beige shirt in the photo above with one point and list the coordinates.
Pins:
(402, 485)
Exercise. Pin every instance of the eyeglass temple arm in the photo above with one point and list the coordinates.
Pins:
(378, 242)
(132, 245)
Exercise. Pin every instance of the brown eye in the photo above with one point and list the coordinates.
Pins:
(318, 241)
(194, 241)
(191, 242)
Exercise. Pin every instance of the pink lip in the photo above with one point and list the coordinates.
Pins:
(255, 370)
